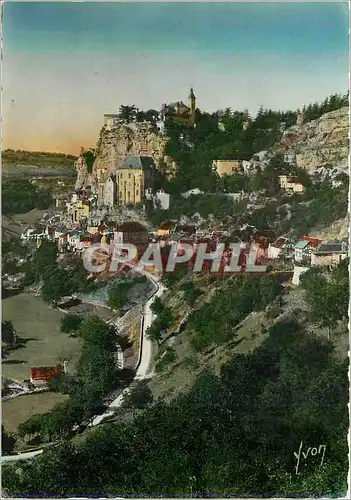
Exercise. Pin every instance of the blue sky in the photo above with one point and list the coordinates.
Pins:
(65, 64)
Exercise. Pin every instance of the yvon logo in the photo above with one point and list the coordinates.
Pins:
(310, 452)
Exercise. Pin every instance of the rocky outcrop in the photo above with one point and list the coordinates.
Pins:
(84, 178)
(116, 144)
(338, 230)
(322, 142)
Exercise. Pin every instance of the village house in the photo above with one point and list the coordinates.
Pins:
(303, 248)
(40, 376)
(329, 254)
(111, 121)
(60, 201)
(160, 199)
(226, 167)
(164, 228)
(192, 192)
(80, 211)
(289, 158)
(247, 166)
(109, 195)
(133, 178)
(133, 232)
(291, 184)
(277, 249)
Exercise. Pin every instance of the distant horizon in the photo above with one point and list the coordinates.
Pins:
(67, 64)
(64, 153)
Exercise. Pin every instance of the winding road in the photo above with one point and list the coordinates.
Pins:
(142, 371)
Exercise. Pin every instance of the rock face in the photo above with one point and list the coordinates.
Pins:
(84, 178)
(338, 230)
(116, 144)
(319, 142)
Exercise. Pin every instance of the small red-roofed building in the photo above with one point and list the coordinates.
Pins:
(291, 184)
(40, 376)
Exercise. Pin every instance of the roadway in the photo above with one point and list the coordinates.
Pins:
(142, 371)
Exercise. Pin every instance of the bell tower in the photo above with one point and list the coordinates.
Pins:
(192, 105)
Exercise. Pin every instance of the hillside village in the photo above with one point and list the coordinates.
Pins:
(112, 203)
(179, 176)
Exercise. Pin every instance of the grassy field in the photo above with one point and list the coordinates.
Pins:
(188, 365)
(18, 410)
(39, 328)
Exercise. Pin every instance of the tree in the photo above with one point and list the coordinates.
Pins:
(127, 113)
(327, 298)
(157, 306)
(55, 285)
(8, 333)
(95, 331)
(140, 396)
(118, 295)
(154, 332)
(70, 323)
(190, 293)
(7, 441)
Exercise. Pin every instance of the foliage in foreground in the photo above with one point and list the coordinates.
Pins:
(233, 434)
(96, 377)
(21, 196)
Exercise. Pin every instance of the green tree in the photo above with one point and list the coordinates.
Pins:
(190, 293)
(8, 333)
(128, 113)
(70, 323)
(140, 396)
(8, 441)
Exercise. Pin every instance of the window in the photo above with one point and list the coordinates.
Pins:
(121, 176)
(137, 193)
(129, 175)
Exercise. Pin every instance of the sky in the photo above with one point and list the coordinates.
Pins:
(66, 64)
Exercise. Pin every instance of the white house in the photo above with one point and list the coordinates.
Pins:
(247, 166)
(109, 192)
(191, 192)
(290, 184)
(276, 249)
(289, 158)
(111, 121)
(160, 198)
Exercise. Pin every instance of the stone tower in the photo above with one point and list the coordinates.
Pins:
(192, 104)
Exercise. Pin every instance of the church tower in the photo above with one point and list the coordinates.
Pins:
(192, 105)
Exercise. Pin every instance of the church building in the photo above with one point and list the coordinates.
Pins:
(133, 178)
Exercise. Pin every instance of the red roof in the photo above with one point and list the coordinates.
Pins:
(45, 372)
(313, 242)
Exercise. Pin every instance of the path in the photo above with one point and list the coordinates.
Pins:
(141, 373)
(145, 351)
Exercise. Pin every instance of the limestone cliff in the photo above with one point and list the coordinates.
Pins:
(319, 142)
(116, 144)
(84, 178)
